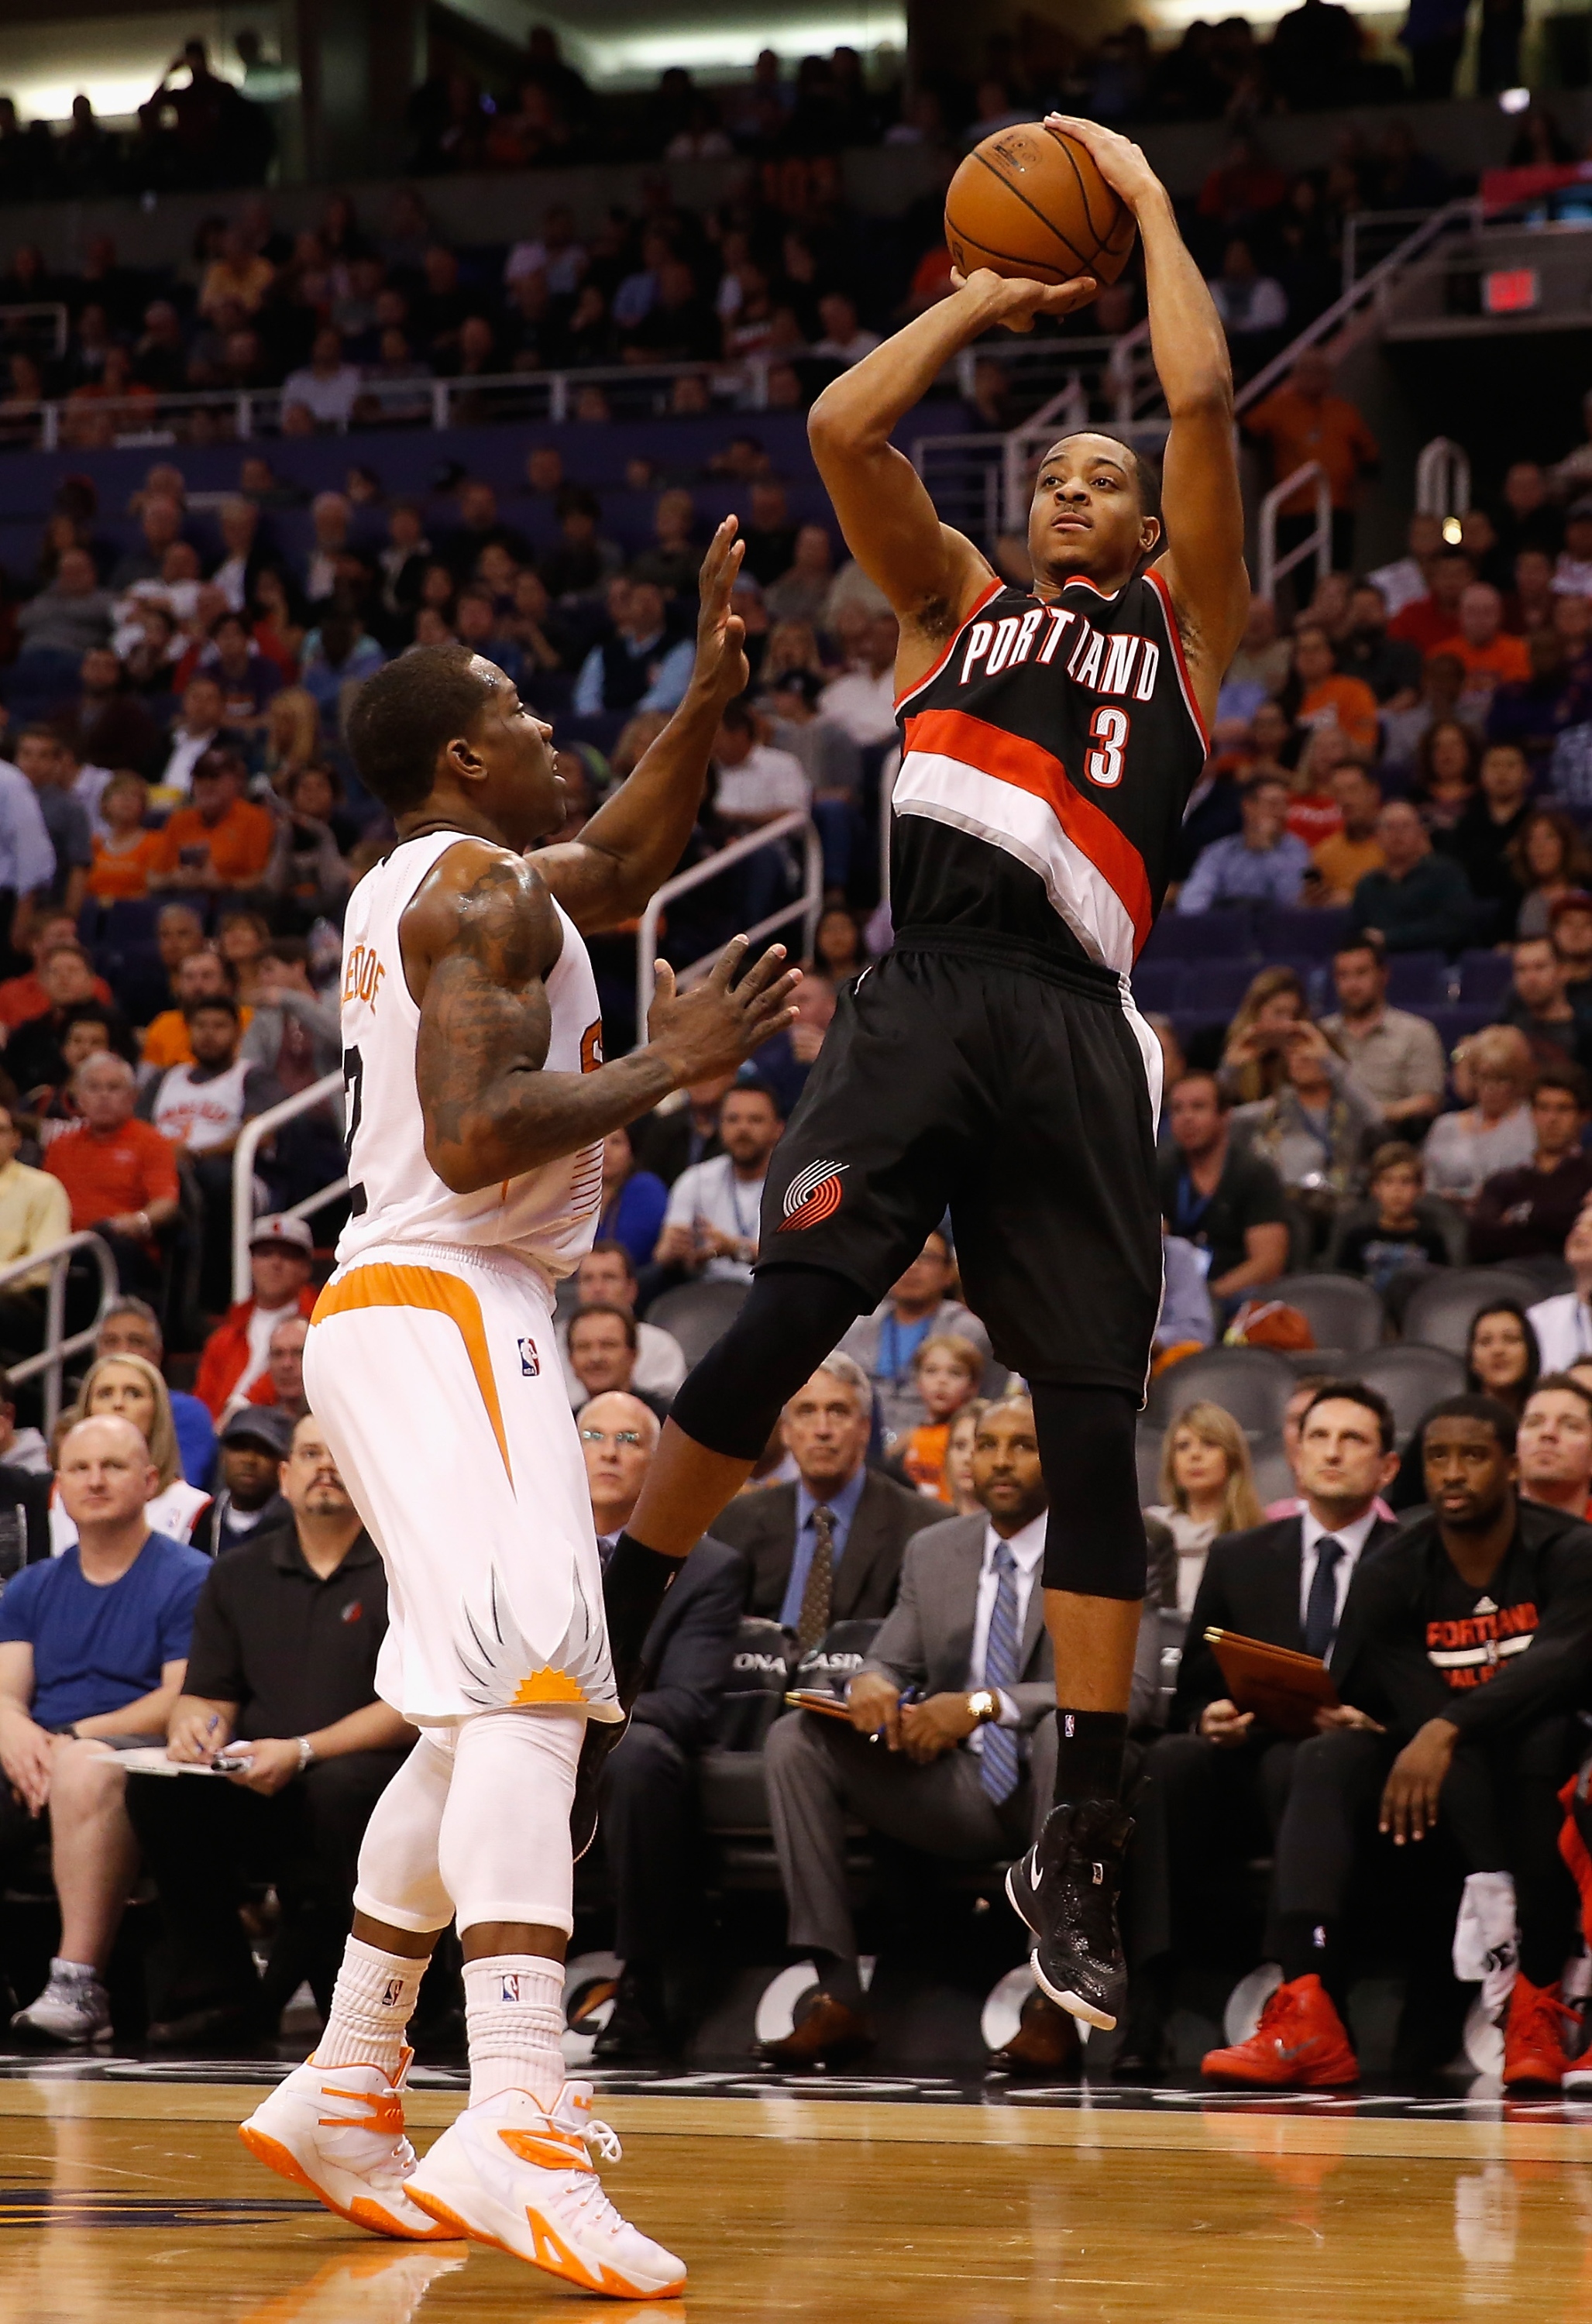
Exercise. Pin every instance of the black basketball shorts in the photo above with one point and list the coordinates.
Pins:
(1014, 1093)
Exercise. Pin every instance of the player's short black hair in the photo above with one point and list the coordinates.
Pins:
(405, 713)
(1146, 479)
(1497, 1417)
(1370, 1399)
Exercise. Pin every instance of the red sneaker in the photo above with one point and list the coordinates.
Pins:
(1534, 2037)
(1301, 2044)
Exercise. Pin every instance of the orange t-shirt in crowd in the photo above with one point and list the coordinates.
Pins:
(239, 845)
(1348, 702)
(104, 1174)
(166, 1043)
(121, 875)
(924, 1459)
(23, 996)
(1299, 431)
(1507, 659)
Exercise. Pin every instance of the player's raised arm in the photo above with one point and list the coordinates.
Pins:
(931, 573)
(635, 840)
(480, 941)
(1201, 500)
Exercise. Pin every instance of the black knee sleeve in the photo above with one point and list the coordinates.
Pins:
(792, 1319)
(1094, 1542)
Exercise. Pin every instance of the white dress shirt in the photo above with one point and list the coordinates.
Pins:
(714, 1191)
(1563, 1328)
(1028, 1549)
(1354, 1538)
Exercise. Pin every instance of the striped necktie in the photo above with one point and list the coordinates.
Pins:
(1002, 1666)
(818, 1590)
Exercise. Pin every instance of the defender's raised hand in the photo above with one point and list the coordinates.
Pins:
(718, 1024)
(720, 635)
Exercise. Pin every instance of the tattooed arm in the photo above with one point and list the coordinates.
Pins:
(479, 941)
(634, 843)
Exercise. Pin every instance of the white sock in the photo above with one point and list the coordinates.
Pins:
(514, 2019)
(372, 2005)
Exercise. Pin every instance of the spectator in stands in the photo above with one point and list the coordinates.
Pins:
(634, 1199)
(605, 1279)
(1461, 1739)
(120, 1175)
(947, 1372)
(1549, 859)
(197, 729)
(1215, 1788)
(1392, 669)
(967, 1772)
(223, 840)
(1420, 901)
(34, 1214)
(39, 757)
(128, 1388)
(1430, 621)
(1263, 863)
(1395, 1054)
(33, 1053)
(674, 1138)
(125, 855)
(1207, 1488)
(864, 700)
(1570, 926)
(1321, 695)
(281, 1673)
(1537, 1006)
(1485, 838)
(280, 1387)
(1254, 1061)
(1488, 652)
(711, 1225)
(201, 1109)
(649, 1819)
(200, 976)
(1572, 571)
(1563, 1324)
(601, 1348)
(1554, 1446)
(1495, 1131)
(130, 1327)
(1302, 422)
(1502, 1358)
(1317, 1128)
(1397, 1240)
(280, 1253)
(1343, 858)
(640, 667)
(63, 621)
(787, 1060)
(1224, 1201)
(921, 1304)
(865, 1519)
(248, 1500)
(93, 1646)
(326, 386)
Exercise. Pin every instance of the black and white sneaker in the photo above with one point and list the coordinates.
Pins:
(1066, 1889)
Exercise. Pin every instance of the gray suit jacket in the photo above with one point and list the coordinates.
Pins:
(927, 1639)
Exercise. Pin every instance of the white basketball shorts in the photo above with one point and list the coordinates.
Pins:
(434, 1372)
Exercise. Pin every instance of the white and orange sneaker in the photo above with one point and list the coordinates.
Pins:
(520, 2175)
(338, 2130)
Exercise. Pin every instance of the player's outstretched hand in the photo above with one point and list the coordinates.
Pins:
(1016, 302)
(717, 1024)
(720, 635)
(1120, 162)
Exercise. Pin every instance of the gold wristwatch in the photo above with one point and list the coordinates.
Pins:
(984, 1705)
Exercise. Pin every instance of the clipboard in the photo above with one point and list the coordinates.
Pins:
(1284, 1689)
(820, 1701)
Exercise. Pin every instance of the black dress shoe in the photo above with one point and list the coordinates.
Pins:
(1142, 2057)
(220, 2027)
(1066, 1889)
(1046, 2042)
(638, 2032)
(826, 2033)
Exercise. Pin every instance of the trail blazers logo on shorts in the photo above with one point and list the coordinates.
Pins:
(813, 1197)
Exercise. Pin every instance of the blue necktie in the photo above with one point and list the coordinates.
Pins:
(1321, 1608)
(1002, 1666)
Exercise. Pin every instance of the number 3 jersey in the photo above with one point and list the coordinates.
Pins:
(547, 1216)
(1047, 759)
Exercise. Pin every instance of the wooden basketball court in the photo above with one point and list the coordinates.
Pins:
(123, 2198)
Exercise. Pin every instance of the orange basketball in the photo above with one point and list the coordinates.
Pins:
(1030, 202)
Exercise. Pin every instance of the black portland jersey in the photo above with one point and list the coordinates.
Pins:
(1046, 761)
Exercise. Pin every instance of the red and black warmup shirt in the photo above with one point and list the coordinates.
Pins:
(1047, 759)
(1426, 1645)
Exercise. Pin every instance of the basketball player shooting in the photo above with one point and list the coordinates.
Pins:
(477, 1102)
(994, 1062)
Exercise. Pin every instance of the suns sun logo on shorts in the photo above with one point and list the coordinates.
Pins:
(813, 1197)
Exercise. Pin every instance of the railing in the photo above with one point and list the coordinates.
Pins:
(251, 1137)
(1371, 236)
(48, 311)
(1442, 479)
(807, 906)
(57, 1258)
(1317, 544)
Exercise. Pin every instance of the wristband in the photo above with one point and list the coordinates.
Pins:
(306, 1753)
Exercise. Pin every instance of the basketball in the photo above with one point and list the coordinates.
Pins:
(1030, 202)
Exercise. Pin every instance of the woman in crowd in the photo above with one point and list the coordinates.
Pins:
(1494, 1131)
(1502, 1358)
(959, 1457)
(1446, 761)
(1207, 1487)
(131, 1389)
(279, 625)
(947, 1370)
(838, 951)
(1317, 694)
(1550, 856)
(126, 856)
(1255, 1063)
(308, 866)
(242, 940)
(1319, 1129)
(292, 735)
(633, 1199)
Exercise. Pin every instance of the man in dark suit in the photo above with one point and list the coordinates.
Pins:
(649, 1784)
(1214, 1789)
(964, 1769)
(864, 1520)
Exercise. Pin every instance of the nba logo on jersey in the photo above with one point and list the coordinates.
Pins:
(531, 1363)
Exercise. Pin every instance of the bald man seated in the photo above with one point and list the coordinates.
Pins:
(648, 1805)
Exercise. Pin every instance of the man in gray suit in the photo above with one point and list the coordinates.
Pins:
(863, 1520)
(949, 1746)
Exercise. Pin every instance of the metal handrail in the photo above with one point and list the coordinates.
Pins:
(1359, 222)
(58, 1257)
(1318, 544)
(250, 1137)
(1442, 479)
(808, 905)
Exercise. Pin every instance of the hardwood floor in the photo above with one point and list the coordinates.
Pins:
(125, 2201)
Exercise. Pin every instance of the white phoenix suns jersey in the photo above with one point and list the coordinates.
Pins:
(548, 1215)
